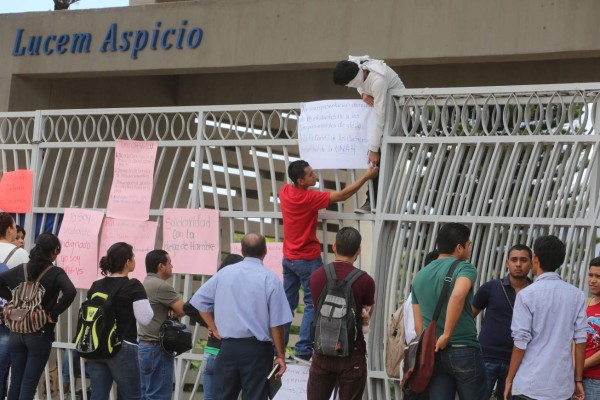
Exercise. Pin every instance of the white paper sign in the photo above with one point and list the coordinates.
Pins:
(293, 383)
(334, 134)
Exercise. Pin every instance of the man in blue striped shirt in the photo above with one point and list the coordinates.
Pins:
(549, 316)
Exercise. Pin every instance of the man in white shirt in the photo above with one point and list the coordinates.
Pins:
(372, 79)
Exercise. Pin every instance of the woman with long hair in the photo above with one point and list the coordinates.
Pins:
(29, 352)
(130, 305)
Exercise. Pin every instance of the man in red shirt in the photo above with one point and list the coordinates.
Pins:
(349, 373)
(301, 248)
(591, 367)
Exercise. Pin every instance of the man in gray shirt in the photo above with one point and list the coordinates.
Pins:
(156, 366)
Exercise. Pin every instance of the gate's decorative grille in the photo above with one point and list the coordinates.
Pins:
(513, 163)
(229, 158)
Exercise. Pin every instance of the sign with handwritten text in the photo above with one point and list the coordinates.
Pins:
(293, 383)
(191, 237)
(79, 239)
(273, 259)
(16, 189)
(334, 134)
(133, 176)
(140, 234)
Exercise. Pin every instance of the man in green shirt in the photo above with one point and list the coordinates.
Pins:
(459, 364)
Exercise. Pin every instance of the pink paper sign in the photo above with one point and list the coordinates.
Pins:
(192, 239)
(16, 188)
(79, 239)
(133, 176)
(140, 234)
(273, 259)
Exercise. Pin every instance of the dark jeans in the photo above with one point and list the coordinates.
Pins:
(28, 354)
(458, 370)
(242, 365)
(375, 188)
(349, 373)
(523, 397)
(496, 371)
(4, 359)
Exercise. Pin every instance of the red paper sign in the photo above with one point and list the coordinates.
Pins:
(16, 188)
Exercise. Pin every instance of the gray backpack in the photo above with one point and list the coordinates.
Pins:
(336, 324)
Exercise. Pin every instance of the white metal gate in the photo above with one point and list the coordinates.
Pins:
(511, 162)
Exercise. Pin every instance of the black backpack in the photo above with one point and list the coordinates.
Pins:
(97, 334)
(335, 325)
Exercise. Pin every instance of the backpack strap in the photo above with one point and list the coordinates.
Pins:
(445, 289)
(350, 278)
(112, 293)
(330, 272)
(353, 276)
(10, 255)
(39, 278)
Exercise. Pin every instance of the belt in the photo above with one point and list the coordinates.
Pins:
(149, 341)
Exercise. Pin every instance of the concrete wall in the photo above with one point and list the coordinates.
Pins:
(283, 50)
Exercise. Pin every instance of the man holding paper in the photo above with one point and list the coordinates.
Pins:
(372, 79)
(301, 248)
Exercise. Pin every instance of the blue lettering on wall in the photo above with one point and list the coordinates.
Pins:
(133, 42)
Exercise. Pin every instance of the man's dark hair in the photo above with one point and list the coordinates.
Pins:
(451, 235)
(254, 245)
(430, 257)
(521, 247)
(550, 251)
(595, 262)
(229, 260)
(347, 241)
(154, 258)
(344, 72)
(296, 170)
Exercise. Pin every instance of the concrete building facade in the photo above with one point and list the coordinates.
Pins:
(248, 51)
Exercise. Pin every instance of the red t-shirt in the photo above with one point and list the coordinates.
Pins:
(300, 208)
(593, 340)
(363, 288)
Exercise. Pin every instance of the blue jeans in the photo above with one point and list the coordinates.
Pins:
(458, 370)
(496, 371)
(207, 371)
(4, 355)
(123, 368)
(592, 388)
(28, 354)
(156, 372)
(296, 273)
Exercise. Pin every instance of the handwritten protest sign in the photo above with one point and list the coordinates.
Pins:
(133, 176)
(79, 238)
(192, 239)
(140, 234)
(273, 259)
(293, 383)
(16, 189)
(334, 134)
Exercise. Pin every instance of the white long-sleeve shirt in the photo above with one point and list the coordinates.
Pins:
(377, 85)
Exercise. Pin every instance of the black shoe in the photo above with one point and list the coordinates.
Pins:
(305, 357)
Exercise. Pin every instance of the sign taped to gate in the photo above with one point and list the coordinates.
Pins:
(334, 134)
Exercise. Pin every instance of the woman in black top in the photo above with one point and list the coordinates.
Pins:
(29, 352)
(130, 305)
